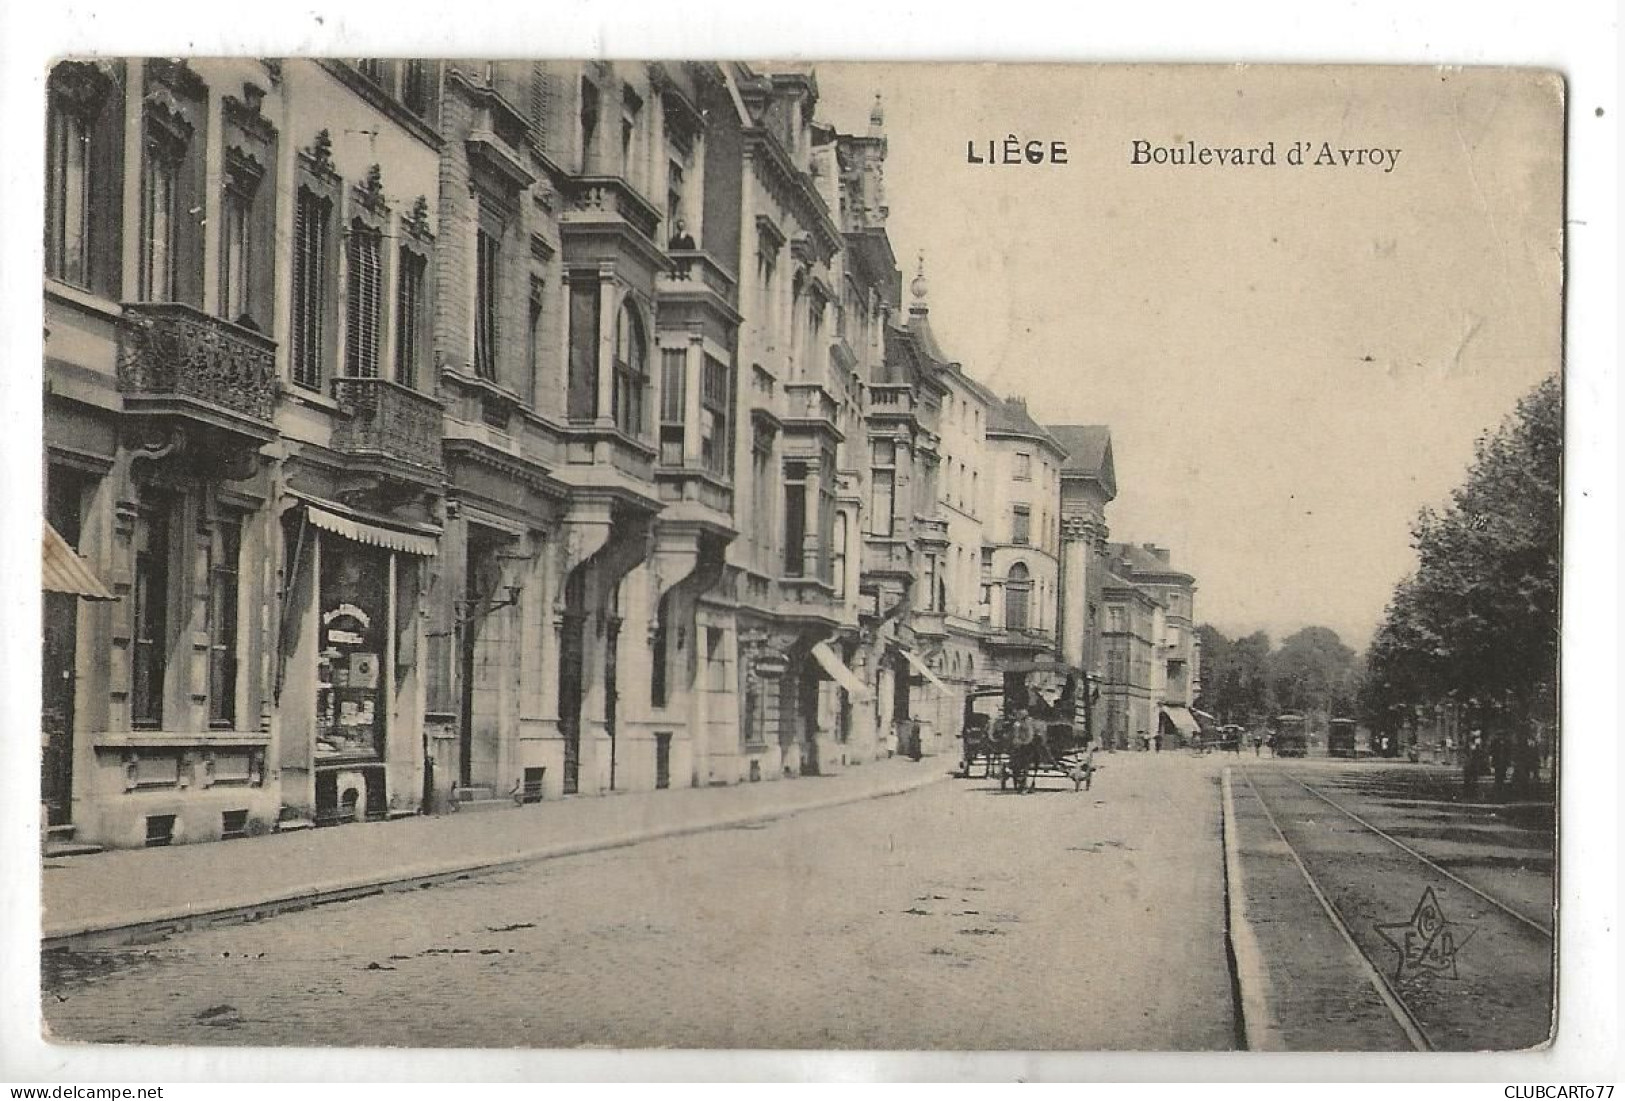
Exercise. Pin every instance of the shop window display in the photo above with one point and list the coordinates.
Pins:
(351, 697)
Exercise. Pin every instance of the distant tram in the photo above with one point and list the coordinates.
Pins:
(1340, 738)
(1291, 735)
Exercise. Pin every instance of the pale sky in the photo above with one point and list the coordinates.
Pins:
(1292, 360)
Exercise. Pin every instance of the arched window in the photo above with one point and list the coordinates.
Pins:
(1018, 587)
(631, 371)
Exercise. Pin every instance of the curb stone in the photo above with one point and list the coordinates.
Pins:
(1261, 1030)
(155, 924)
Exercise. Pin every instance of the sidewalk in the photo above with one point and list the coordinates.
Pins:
(129, 894)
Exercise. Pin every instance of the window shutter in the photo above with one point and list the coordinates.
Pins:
(365, 304)
(541, 105)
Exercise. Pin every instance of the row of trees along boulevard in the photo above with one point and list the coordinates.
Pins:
(1469, 642)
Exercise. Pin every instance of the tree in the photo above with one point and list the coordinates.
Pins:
(1479, 620)
(1314, 671)
(1235, 684)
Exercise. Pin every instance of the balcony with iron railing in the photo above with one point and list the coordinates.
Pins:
(178, 362)
(390, 425)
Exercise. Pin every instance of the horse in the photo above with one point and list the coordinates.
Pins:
(1029, 751)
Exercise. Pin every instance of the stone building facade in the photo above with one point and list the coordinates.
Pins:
(452, 433)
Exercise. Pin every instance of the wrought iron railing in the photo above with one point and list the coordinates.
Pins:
(176, 351)
(388, 420)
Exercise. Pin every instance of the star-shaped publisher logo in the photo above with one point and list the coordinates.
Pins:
(1428, 942)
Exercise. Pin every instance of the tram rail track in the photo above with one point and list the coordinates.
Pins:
(1500, 1000)
(1516, 915)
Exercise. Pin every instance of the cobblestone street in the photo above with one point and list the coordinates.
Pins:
(952, 917)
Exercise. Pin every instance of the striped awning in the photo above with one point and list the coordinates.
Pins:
(1183, 721)
(373, 533)
(922, 668)
(63, 571)
(838, 672)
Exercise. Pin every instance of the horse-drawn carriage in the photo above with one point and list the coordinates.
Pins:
(1035, 723)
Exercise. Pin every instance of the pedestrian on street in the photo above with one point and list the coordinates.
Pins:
(1473, 767)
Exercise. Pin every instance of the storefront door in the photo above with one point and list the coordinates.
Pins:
(56, 707)
(352, 697)
(572, 647)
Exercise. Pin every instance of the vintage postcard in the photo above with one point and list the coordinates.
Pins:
(706, 554)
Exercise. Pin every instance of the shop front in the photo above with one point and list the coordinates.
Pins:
(353, 700)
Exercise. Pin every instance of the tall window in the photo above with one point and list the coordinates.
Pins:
(1017, 588)
(160, 175)
(1114, 619)
(716, 442)
(410, 311)
(486, 291)
(1021, 524)
(236, 245)
(673, 396)
(151, 592)
(761, 499)
(882, 487)
(364, 302)
(311, 233)
(582, 395)
(826, 520)
(631, 113)
(795, 518)
(67, 202)
(674, 194)
(838, 556)
(223, 585)
(589, 122)
(415, 87)
(631, 371)
(1024, 467)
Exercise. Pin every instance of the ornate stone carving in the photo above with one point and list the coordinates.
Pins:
(82, 86)
(320, 153)
(417, 219)
(370, 192)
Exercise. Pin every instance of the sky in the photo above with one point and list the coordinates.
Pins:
(1293, 360)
